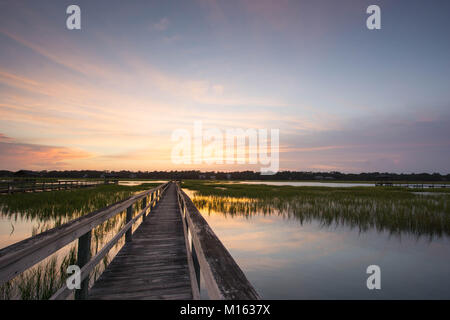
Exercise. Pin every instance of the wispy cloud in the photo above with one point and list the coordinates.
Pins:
(162, 24)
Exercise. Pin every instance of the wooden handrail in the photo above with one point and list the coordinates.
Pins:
(192, 265)
(222, 276)
(20, 256)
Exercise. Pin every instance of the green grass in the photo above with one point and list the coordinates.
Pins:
(269, 191)
(393, 209)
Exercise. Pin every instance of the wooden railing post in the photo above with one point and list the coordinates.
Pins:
(144, 204)
(183, 208)
(128, 234)
(84, 255)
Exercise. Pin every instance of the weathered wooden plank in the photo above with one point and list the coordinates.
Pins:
(85, 271)
(154, 264)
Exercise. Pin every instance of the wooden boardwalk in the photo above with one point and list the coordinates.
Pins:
(163, 259)
(154, 264)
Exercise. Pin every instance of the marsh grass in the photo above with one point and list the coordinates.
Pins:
(58, 206)
(50, 209)
(393, 209)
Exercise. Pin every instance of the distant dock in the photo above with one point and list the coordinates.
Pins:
(20, 186)
(411, 185)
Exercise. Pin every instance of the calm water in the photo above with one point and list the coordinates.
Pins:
(285, 259)
(131, 182)
(333, 184)
(308, 184)
(17, 228)
(137, 182)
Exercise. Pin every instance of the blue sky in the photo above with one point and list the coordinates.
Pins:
(109, 96)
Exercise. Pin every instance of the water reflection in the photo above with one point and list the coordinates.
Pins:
(305, 249)
(309, 184)
(419, 216)
(138, 182)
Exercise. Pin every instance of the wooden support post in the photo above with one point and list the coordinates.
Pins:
(84, 255)
(128, 234)
(144, 204)
(183, 209)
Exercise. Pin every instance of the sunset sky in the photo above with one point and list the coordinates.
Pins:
(109, 96)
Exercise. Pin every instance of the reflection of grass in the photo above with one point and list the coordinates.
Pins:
(51, 209)
(396, 210)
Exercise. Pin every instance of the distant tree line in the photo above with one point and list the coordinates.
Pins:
(236, 175)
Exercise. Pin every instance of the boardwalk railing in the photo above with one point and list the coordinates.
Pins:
(209, 259)
(34, 186)
(18, 257)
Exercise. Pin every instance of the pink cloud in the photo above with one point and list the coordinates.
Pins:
(14, 156)
(4, 138)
